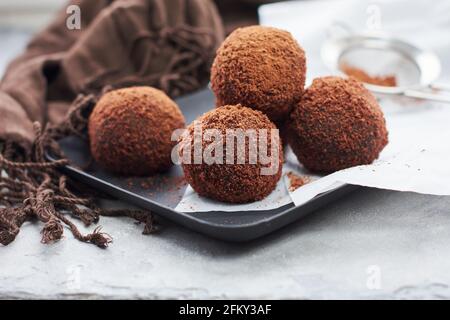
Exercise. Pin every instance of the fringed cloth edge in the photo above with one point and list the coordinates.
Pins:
(32, 188)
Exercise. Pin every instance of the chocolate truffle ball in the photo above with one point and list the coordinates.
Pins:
(337, 124)
(130, 130)
(233, 181)
(262, 68)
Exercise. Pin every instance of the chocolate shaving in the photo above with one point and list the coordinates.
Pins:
(296, 181)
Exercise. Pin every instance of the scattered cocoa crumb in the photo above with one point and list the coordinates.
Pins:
(361, 75)
(158, 184)
(130, 183)
(145, 185)
(296, 181)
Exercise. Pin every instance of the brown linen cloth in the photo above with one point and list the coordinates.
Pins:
(167, 44)
(164, 43)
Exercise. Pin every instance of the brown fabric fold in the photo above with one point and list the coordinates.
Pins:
(168, 44)
(122, 42)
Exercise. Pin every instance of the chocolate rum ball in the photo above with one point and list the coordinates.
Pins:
(336, 125)
(262, 68)
(233, 182)
(130, 131)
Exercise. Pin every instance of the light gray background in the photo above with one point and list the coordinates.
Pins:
(371, 244)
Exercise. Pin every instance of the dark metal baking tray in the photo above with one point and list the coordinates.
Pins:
(162, 193)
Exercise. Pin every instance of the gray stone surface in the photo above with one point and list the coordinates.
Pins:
(371, 244)
(337, 252)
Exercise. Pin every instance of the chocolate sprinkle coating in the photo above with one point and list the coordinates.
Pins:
(262, 68)
(337, 124)
(233, 183)
(130, 130)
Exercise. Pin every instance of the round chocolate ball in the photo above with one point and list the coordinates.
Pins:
(262, 68)
(337, 124)
(235, 181)
(130, 130)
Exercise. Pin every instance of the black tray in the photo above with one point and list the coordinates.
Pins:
(162, 193)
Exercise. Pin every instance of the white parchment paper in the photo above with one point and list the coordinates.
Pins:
(192, 202)
(417, 157)
(418, 154)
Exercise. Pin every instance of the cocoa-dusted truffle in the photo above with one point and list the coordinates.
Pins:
(337, 124)
(130, 130)
(235, 182)
(262, 68)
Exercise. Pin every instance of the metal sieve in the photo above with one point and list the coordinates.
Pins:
(415, 70)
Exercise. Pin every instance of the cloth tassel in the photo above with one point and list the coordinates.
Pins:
(33, 188)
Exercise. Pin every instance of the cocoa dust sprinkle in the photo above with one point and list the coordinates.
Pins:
(296, 181)
(385, 81)
(158, 183)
